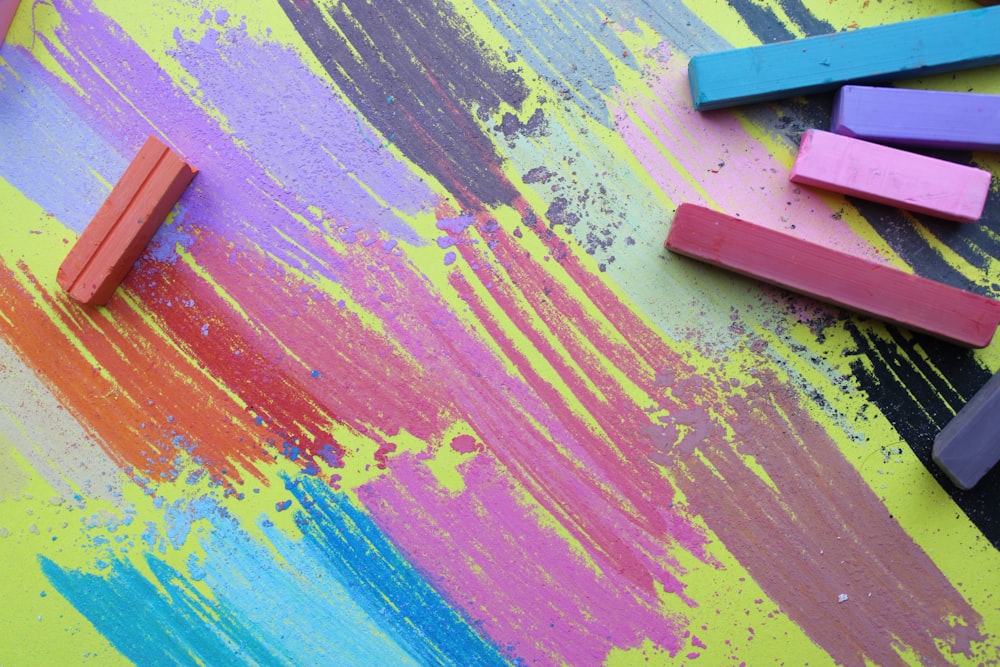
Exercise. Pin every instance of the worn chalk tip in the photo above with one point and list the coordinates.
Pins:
(697, 99)
(837, 124)
(969, 445)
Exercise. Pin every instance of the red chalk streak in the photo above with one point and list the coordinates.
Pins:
(618, 469)
(836, 277)
(830, 533)
(139, 379)
(756, 524)
(439, 532)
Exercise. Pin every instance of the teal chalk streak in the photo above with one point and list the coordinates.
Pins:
(342, 595)
(288, 610)
(293, 602)
(153, 628)
(557, 40)
(913, 48)
(388, 587)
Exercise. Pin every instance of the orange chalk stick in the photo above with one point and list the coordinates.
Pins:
(833, 276)
(114, 239)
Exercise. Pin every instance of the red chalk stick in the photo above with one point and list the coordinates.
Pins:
(7, 10)
(833, 276)
(891, 176)
(125, 223)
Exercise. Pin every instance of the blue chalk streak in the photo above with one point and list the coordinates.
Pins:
(265, 611)
(385, 585)
(58, 155)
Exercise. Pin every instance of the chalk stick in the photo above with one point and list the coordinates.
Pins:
(833, 276)
(944, 43)
(133, 211)
(969, 445)
(909, 117)
(891, 176)
(7, 10)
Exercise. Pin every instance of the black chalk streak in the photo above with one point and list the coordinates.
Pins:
(420, 77)
(919, 384)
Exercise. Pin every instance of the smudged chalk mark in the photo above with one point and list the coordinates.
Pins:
(165, 628)
(384, 583)
(439, 80)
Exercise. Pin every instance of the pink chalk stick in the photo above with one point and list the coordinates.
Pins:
(833, 276)
(891, 176)
(7, 10)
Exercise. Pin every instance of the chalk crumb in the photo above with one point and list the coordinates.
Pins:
(842, 597)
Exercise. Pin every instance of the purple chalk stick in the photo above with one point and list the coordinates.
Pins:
(909, 117)
(969, 445)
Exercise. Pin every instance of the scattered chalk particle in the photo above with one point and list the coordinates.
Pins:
(842, 597)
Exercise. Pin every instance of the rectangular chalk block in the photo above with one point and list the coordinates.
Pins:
(133, 211)
(891, 176)
(908, 117)
(833, 276)
(949, 42)
(969, 445)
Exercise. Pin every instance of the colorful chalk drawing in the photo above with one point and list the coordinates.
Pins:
(407, 377)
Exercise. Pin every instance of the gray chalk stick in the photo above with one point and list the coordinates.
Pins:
(969, 445)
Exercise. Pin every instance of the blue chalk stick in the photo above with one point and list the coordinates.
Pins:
(907, 117)
(912, 48)
(969, 445)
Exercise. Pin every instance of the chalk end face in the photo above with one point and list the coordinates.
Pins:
(969, 445)
(840, 123)
(685, 212)
(956, 470)
(799, 173)
(122, 228)
(983, 321)
(988, 331)
(964, 459)
(710, 89)
(978, 191)
(694, 83)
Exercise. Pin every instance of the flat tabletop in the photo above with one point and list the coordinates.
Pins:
(408, 377)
